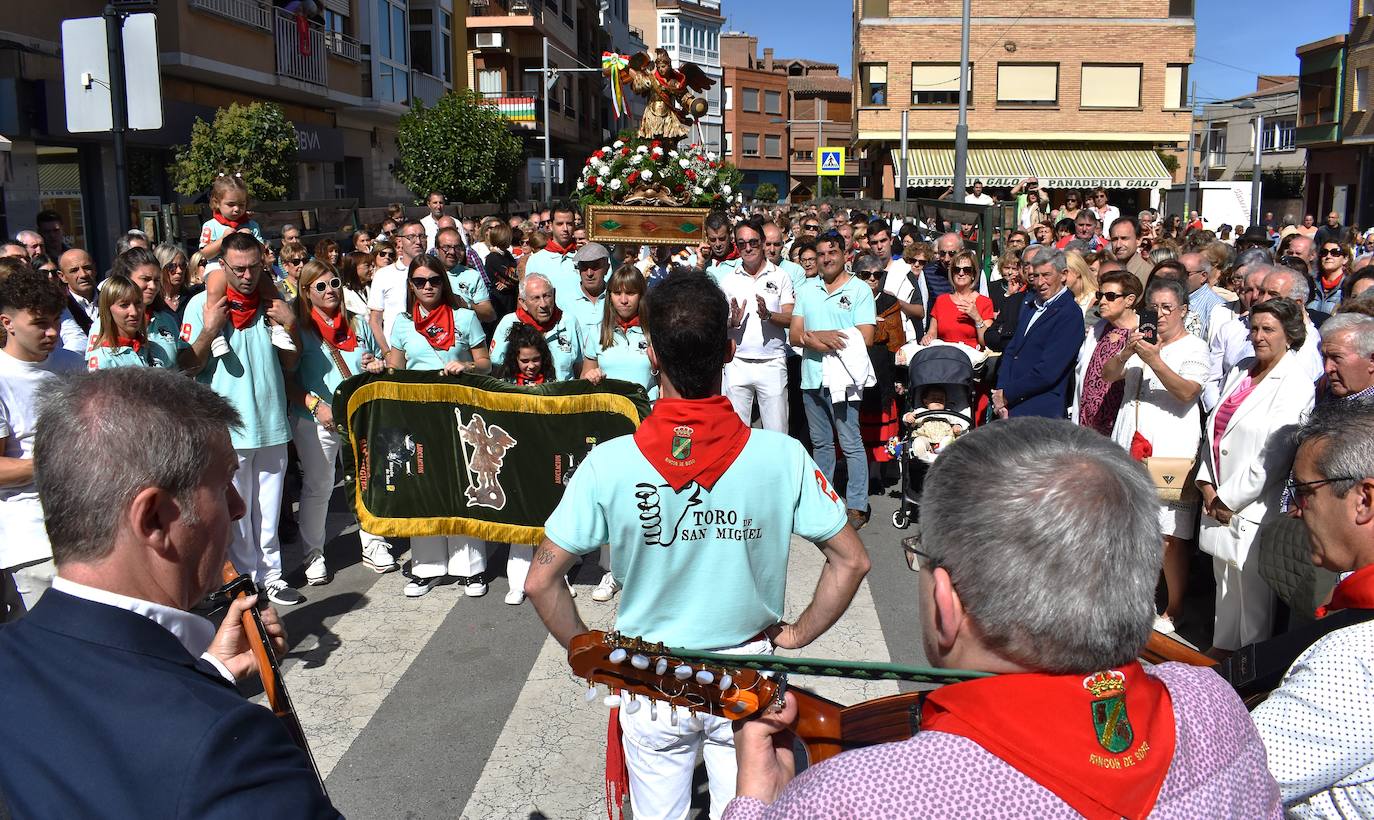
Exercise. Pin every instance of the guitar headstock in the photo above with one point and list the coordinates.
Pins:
(629, 667)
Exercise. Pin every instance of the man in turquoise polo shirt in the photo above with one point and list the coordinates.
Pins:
(466, 281)
(537, 308)
(250, 377)
(588, 303)
(555, 261)
(721, 256)
(701, 553)
(828, 308)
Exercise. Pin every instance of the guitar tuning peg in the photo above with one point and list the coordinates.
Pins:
(661, 668)
(617, 656)
(682, 672)
(672, 715)
(725, 681)
(639, 662)
(693, 723)
(591, 693)
(704, 677)
(611, 701)
(653, 710)
(632, 705)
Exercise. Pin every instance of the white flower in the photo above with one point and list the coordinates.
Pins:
(658, 152)
(643, 149)
(603, 169)
(647, 175)
(614, 184)
(581, 183)
(619, 144)
(711, 156)
(684, 163)
(606, 148)
(696, 190)
(725, 189)
(672, 154)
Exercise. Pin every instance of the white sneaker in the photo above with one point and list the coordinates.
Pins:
(515, 597)
(377, 557)
(219, 346)
(421, 586)
(281, 594)
(605, 590)
(475, 588)
(316, 572)
(282, 339)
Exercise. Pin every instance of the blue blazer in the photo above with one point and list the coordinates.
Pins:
(104, 714)
(1037, 365)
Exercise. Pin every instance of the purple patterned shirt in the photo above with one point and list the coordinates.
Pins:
(1219, 770)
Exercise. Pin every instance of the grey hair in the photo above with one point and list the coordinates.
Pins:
(1254, 256)
(1051, 256)
(1298, 291)
(1172, 285)
(1050, 533)
(92, 452)
(538, 277)
(1204, 264)
(1348, 428)
(1360, 327)
(959, 240)
(867, 263)
(288, 227)
(19, 237)
(166, 253)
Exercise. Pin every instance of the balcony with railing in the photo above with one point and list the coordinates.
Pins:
(251, 13)
(426, 87)
(506, 8)
(300, 51)
(342, 46)
(519, 108)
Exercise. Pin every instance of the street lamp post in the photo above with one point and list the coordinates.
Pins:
(819, 123)
(1256, 184)
(550, 75)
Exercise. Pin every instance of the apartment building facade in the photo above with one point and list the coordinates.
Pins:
(1336, 120)
(756, 112)
(822, 114)
(1225, 133)
(1077, 95)
(342, 77)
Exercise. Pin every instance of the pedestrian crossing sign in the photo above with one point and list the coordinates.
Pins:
(830, 162)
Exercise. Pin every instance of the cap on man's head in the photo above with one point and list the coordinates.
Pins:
(591, 252)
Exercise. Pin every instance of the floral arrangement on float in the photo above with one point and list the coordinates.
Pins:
(645, 172)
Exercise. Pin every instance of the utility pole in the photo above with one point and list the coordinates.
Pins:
(961, 130)
(550, 75)
(901, 192)
(1188, 174)
(1256, 185)
(119, 109)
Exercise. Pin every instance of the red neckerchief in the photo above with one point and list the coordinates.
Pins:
(1330, 285)
(733, 254)
(692, 440)
(243, 307)
(1355, 592)
(559, 249)
(1051, 728)
(532, 322)
(123, 341)
(341, 337)
(235, 225)
(625, 326)
(437, 327)
(521, 378)
(617, 773)
(677, 77)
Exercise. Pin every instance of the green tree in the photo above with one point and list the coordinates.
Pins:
(766, 192)
(460, 146)
(255, 141)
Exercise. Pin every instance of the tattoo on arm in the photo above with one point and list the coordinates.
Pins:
(544, 555)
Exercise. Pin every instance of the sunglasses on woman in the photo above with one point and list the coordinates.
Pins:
(421, 282)
(1331, 252)
(1109, 296)
(321, 285)
(963, 269)
(386, 254)
(867, 274)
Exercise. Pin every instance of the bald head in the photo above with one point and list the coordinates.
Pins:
(1304, 248)
(78, 271)
(1284, 283)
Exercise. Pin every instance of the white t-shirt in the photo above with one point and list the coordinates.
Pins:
(387, 293)
(1172, 427)
(755, 338)
(978, 199)
(898, 284)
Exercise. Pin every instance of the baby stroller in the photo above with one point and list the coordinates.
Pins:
(931, 429)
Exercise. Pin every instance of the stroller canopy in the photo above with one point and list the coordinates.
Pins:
(942, 364)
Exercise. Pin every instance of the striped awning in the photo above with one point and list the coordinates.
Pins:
(934, 167)
(1132, 168)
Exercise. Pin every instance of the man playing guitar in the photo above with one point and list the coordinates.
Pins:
(699, 511)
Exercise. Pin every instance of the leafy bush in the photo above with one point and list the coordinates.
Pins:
(255, 141)
(766, 192)
(461, 147)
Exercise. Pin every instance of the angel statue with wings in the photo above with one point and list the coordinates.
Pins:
(671, 105)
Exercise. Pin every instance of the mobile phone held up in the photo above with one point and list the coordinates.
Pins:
(1149, 324)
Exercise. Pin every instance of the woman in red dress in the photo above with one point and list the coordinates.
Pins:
(962, 316)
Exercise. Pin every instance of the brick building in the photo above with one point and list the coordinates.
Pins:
(755, 103)
(1077, 95)
(1336, 120)
(822, 112)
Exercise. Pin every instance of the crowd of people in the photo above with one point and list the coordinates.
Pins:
(1238, 369)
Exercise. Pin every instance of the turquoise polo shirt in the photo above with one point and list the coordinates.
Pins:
(564, 338)
(850, 305)
(561, 271)
(626, 359)
(249, 377)
(717, 270)
(317, 373)
(162, 331)
(420, 355)
(585, 310)
(701, 569)
(108, 358)
(467, 283)
(795, 272)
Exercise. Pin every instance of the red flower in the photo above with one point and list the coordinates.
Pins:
(655, 144)
(692, 175)
(599, 154)
(592, 181)
(625, 152)
(679, 187)
(633, 177)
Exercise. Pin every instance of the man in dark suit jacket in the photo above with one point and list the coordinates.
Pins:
(1037, 365)
(116, 701)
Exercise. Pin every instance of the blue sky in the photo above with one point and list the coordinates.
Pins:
(1257, 37)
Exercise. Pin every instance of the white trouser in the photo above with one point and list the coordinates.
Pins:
(21, 588)
(765, 380)
(517, 564)
(661, 757)
(1245, 604)
(434, 556)
(318, 448)
(255, 548)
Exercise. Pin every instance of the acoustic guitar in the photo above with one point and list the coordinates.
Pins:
(269, 672)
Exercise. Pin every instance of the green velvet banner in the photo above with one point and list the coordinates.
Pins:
(428, 454)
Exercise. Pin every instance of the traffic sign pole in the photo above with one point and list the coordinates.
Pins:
(119, 107)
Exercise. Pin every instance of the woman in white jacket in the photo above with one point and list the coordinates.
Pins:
(1245, 462)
